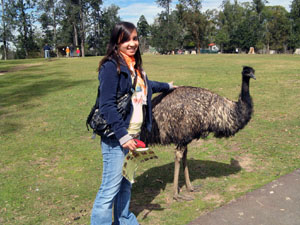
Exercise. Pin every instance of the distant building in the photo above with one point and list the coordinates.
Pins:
(297, 51)
(213, 47)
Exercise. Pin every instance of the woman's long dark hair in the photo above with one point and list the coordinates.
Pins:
(120, 34)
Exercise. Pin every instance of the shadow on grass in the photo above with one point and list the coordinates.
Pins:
(153, 181)
(29, 74)
(18, 89)
(24, 93)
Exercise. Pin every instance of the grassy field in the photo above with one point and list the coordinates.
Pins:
(50, 168)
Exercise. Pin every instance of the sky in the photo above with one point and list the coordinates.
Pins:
(131, 10)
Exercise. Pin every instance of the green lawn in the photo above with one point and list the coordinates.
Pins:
(50, 168)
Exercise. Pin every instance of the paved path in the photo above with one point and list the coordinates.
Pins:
(277, 203)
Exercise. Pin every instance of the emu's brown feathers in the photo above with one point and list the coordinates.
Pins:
(188, 113)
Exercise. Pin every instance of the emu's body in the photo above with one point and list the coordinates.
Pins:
(188, 113)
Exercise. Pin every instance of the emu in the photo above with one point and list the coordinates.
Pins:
(188, 113)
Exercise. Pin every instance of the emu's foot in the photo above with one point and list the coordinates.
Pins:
(196, 188)
(181, 198)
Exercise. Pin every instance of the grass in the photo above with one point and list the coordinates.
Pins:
(51, 169)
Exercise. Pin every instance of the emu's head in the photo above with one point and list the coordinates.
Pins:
(248, 72)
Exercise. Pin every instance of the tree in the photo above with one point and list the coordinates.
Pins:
(24, 18)
(109, 17)
(94, 36)
(228, 25)
(69, 25)
(143, 29)
(277, 28)
(166, 36)
(194, 20)
(249, 31)
(50, 18)
(211, 26)
(166, 5)
(83, 10)
(166, 14)
(75, 23)
(257, 19)
(258, 6)
(295, 20)
(6, 27)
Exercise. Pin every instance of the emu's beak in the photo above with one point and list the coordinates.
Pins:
(252, 76)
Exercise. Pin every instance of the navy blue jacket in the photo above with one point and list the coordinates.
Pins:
(110, 83)
(47, 47)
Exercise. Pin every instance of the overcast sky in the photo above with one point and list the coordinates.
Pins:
(131, 10)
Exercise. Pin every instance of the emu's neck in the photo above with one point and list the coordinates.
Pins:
(245, 94)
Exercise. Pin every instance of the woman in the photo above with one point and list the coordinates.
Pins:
(117, 72)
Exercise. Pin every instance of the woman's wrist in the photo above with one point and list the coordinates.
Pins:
(125, 139)
(172, 86)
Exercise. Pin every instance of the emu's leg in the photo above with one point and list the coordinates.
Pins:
(188, 184)
(186, 171)
(178, 156)
(177, 197)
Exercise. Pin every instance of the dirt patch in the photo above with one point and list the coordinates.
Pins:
(3, 170)
(213, 198)
(246, 162)
(44, 162)
(200, 142)
(20, 67)
(197, 143)
(235, 147)
(233, 188)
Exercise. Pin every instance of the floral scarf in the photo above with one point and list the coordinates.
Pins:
(130, 61)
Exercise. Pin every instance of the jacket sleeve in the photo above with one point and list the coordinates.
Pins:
(159, 86)
(109, 81)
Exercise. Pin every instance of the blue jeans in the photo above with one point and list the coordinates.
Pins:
(115, 190)
(47, 54)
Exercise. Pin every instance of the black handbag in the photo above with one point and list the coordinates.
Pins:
(95, 119)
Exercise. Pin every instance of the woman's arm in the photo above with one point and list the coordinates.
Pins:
(109, 80)
(160, 86)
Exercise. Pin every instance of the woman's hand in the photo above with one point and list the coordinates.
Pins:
(130, 145)
(172, 85)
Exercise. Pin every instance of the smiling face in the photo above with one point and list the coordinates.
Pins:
(130, 46)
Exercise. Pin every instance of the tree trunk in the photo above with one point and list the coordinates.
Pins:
(198, 44)
(75, 40)
(54, 30)
(198, 47)
(82, 30)
(284, 48)
(5, 50)
(82, 48)
(25, 31)
(98, 35)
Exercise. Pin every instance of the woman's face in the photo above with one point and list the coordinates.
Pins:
(130, 47)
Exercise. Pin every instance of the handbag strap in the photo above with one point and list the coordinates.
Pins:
(134, 84)
(131, 91)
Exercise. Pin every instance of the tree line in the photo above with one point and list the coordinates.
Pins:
(30, 24)
(237, 26)
(87, 24)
